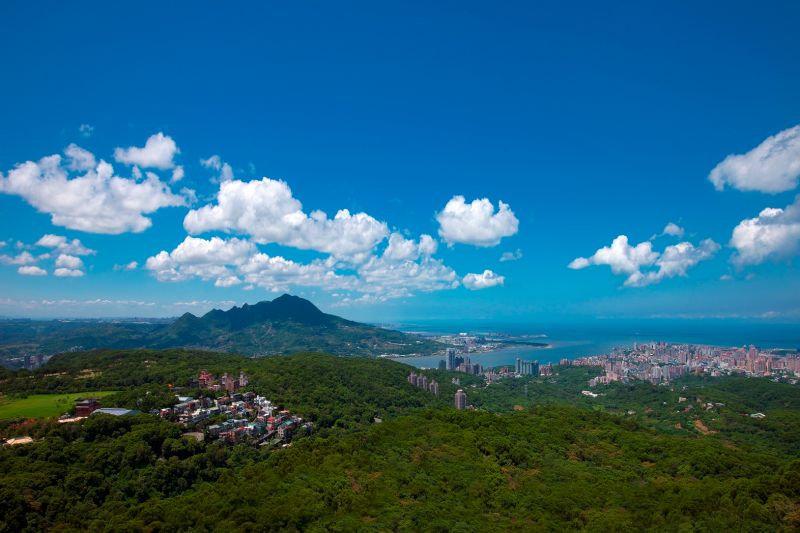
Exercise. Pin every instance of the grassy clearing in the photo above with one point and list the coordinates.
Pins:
(43, 405)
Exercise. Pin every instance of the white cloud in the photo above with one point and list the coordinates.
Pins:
(202, 258)
(673, 230)
(133, 265)
(483, 281)
(31, 271)
(402, 249)
(23, 258)
(675, 260)
(772, 167)
(227, 281)
(233, 261)
(69, 261)
(629, 260)
(215, 162)
(78, 158)
(773, 235)
(177, 174)
(621, 257)
(394, 279)
(86, 130)
(427, 245)
(511, 256)
(95, 202)
(278, 274)
(63, 245)
(266, 210)
(68, 273)
(158, 152)
(476, 223)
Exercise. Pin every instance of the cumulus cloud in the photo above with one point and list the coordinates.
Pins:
(511, 256)
(69, 261)
(267, 211)
(31, 271)
(620, 256)
(633, 261)
(476, 223)
(86, 130)
(64, 245)
(95, 201)
(233, 261)
(483, 281)
(773, 235)
(278, 274)
(23, 258)
(203, 258)
(675, 260)
(158, 152)
(68, 273)
(394, 279)
(772, 167)
(402, 249)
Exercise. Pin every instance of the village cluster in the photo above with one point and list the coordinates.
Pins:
(235, 417)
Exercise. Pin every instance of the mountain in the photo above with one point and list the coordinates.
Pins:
(287, 324)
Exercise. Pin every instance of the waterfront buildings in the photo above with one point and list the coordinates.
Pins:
(527, 368)
(660, 362)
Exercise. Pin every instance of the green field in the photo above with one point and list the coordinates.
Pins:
(42, 405)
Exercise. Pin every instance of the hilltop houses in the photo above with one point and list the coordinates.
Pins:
(227, 382)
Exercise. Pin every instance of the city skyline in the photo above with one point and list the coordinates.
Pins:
(398, 163)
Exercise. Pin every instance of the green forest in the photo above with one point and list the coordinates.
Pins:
(533, 455)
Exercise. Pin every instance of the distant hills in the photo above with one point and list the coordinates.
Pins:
(285, 325)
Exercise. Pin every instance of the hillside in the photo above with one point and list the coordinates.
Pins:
(285, 325)
(333, 392)
(563, 462)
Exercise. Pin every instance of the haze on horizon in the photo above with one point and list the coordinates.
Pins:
(395, 163)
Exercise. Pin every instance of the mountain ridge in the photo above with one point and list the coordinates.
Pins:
(285, 325)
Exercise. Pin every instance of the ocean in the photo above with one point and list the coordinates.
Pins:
(569, 341)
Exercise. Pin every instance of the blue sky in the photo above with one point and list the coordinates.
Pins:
(588, 122)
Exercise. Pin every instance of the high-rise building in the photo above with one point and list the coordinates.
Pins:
(434, 388)
(243, 379)
(451, 359)
(527, 368)
(460, 399)
(442, 365)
